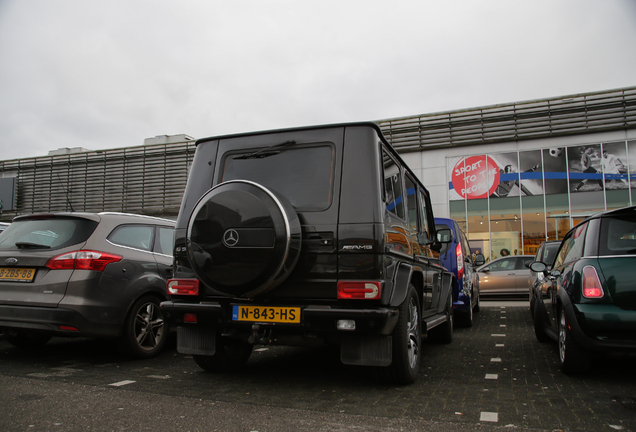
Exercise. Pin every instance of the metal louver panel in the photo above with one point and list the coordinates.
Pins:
(577, 114)
(145, 180)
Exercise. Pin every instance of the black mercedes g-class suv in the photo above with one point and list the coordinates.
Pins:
(302, 236)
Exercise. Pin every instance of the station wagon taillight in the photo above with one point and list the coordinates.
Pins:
(363, 290)
(183, 286)
(82, 260)
(592, 287)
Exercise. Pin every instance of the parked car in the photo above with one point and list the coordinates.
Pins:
(505, 276)
(456, 256)
(315, 235)
(590, 305)
(86, 274)
(545, 254)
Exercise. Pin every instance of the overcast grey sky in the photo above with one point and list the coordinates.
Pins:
(107, 74)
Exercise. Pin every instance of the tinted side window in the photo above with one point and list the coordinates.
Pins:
(521, 264)
(572, 246)
(165, 241)
(411, 203)
(134, 236)
(393, 186)
(424, 214)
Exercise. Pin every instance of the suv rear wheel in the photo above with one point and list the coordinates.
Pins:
(144, 330)
(230, 356)
(407, 341)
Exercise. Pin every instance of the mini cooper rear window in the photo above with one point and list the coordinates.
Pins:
(303, 175)
(46, 233)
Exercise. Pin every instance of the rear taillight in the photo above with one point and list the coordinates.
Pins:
(460, 261)
(365, 290)
(592, 287)
(183, 286)
(82, 260)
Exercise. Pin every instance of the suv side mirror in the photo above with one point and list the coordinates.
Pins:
(480, 260)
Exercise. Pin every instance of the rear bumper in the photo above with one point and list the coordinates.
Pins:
(602, 327)
(314, 318)
(50, 319)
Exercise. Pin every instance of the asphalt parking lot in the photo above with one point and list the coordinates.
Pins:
(495, 375)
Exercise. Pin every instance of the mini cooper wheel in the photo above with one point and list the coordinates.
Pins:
(145, 330)
(407, 341)
(574, 358)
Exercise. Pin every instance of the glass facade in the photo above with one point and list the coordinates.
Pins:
(508, 203)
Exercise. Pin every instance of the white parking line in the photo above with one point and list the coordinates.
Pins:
(498, 335)
(121, 383)
(489, 416)
(492, 376)
(495, 360)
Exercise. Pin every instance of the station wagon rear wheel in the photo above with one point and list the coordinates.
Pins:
(145, 330)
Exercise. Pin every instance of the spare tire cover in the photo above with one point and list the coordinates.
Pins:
(243, 239)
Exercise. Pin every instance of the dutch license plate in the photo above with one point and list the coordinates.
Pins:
(17, 274)
(266, 314)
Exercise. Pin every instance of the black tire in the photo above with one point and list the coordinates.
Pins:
(407, 343)
(230, 356)
(145, 331)
(466, 318)
(28, 341)
(537, 323)
(443, 333)
(477, 307)
(574, 358)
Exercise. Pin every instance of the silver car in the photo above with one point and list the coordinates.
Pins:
(505, 276)
(86, 274)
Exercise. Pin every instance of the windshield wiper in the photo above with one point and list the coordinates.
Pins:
(267, 151)
(31, 245)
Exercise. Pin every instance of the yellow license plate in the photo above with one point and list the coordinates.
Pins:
(266, 314)
(16, 274)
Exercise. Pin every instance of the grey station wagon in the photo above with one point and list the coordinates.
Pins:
(85, 274)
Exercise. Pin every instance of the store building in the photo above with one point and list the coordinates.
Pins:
(518, 174)
(513, 175)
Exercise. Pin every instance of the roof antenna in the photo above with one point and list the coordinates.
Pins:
(68, 200)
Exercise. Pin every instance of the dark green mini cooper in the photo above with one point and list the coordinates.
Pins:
(590, 305)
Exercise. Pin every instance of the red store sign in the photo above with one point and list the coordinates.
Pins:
(475, 177)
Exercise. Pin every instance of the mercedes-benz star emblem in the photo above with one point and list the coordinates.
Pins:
(230, 238)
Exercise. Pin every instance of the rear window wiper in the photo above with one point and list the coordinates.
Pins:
(30, 245)
(267, 151)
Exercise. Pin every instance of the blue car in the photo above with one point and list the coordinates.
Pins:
(457, 258)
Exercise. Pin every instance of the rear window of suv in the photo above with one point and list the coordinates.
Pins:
(50, 233)
(618, 236)
(303, 175)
